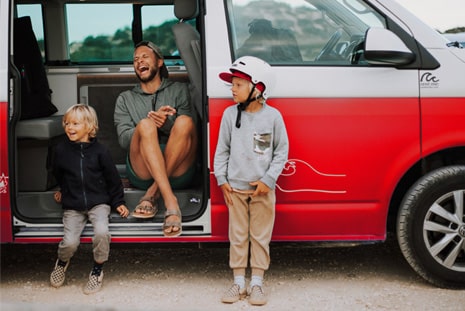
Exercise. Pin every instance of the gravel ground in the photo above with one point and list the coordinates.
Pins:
(189, 277)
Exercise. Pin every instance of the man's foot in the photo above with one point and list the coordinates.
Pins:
(172, 226)
(57, 277)
(146, 208)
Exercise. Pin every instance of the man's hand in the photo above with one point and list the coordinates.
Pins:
(159, 116)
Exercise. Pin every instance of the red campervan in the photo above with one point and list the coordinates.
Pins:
(372, 98)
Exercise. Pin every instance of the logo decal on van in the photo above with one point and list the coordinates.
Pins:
(290, 169)
(3, 183)
(428, 80)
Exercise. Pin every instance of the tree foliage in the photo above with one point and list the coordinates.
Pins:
(119, 47)
(455, 30)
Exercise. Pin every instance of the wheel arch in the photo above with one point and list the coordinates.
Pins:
(445, 157)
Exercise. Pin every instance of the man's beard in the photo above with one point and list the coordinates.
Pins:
(153, 73)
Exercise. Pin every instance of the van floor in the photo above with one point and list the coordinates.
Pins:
(41, 207)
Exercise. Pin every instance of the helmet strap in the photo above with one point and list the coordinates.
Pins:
(242, 106)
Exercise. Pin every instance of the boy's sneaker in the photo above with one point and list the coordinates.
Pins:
(234, 294)
(94, 284)
(57, 277)
(257, 297)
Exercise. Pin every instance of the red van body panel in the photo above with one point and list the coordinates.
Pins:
(442, 123)
(6, 233)
(330, 188)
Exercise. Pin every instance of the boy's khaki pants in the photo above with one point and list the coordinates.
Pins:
(250, 219)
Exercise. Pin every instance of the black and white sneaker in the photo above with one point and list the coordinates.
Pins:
(94, 284)
(57, 277)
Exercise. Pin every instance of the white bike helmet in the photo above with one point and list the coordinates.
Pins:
(252, 69)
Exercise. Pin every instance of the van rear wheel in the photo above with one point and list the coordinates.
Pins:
(431, 227)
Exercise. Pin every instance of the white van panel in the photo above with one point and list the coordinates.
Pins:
(442, 82)
(4, 16)
(334, 82)
(217, 47)
(306, 81)
(459, 53)
(63, 95)
(419, 29)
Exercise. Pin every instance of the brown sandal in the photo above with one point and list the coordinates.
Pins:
(144, 210)
(172, 224)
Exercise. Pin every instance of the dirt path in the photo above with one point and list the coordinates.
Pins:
(185, 277)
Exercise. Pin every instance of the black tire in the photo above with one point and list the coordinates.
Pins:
(431, 227)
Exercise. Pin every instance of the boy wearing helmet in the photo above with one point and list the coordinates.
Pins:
(250, 155)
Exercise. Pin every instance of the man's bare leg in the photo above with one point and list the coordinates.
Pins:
(180, 152)
(148, 161)
(181, 148)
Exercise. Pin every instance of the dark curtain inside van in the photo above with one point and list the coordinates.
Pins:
(35, 91)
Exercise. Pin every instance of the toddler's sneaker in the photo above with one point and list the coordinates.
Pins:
(257, 296)
(234, 294)
(57, 277)
(94, 284)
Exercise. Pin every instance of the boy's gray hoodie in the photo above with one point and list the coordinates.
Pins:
(256, 151)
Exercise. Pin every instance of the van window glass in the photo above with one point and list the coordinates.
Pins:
(157, 23)
(99, 32)
(34, 11)
(102, 32)
(310, 32)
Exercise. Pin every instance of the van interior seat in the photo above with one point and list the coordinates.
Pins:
(37, 119)
(40, 128)
(188, 42)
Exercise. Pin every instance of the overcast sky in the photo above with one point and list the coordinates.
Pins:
(441, 15)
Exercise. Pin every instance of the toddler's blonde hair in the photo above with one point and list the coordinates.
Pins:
(84, 113)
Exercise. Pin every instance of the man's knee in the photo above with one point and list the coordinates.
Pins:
(184, 126)
(146, 127)
(184, 122)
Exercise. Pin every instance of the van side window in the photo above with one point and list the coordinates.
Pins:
(34, 11)
(157, 21)
(103, 32)
(296, 32)
(99, 32)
